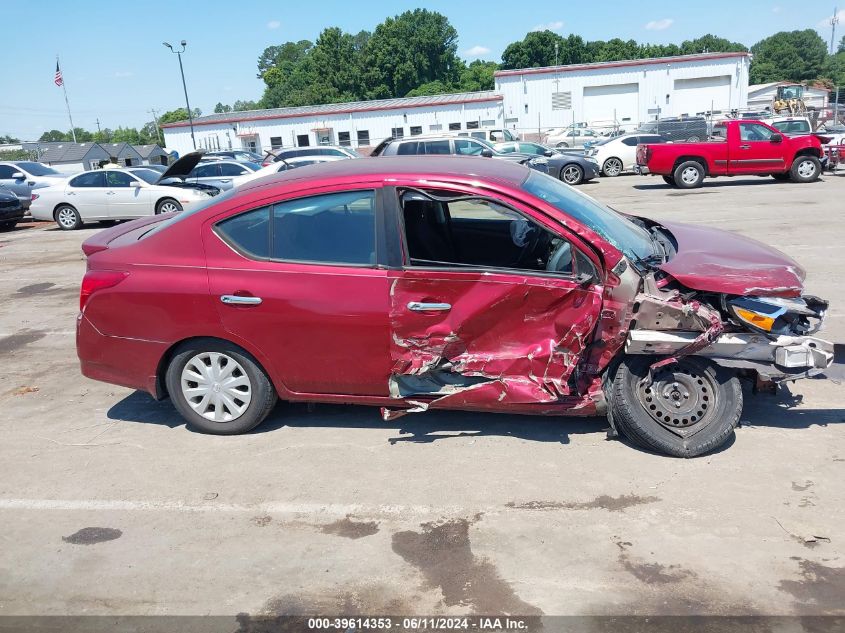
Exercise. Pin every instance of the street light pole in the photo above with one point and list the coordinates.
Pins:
(184, 87)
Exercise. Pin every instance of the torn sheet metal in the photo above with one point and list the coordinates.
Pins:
(504, 339)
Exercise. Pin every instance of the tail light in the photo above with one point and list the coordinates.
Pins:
(95, 280)
(34, 197)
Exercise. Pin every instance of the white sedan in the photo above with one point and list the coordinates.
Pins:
(619, 153)
(286, 164)
(119, 194)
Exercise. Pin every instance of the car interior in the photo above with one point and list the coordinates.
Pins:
(444, 230)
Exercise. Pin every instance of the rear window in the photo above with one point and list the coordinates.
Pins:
(408, 148)
(792, 127)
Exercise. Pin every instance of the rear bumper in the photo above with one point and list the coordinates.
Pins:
(120, 361)
(777, 359)
(12, 214)
(642, 170)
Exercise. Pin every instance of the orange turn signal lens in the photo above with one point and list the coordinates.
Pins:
(760, 321)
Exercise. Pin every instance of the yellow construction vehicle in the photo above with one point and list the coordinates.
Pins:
(790, 99)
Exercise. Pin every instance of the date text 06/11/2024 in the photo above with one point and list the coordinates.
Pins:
(477, 623)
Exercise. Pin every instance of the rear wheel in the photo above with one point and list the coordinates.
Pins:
(218, 388)
(572, 174)
(612, 167)
(669, 180)
(690, 408)
(693, 139)
(562, 144)
(805, 169)
(7, 226)
(67, 218)
(168, 205)
(781, 176)
(689, 175)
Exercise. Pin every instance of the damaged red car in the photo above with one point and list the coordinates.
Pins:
(417, 283)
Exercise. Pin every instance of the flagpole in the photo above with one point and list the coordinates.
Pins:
(64, 90)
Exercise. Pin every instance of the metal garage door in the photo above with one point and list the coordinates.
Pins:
(692, 96)
(601, 102)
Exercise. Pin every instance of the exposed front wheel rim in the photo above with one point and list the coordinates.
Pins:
(806, 169)
(681, 398)
(689, 176)
(66, 217)
(571, 175)
(168, 207)
(216, 386)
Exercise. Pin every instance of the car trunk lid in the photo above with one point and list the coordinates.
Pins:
(101, 241)
(722, 261)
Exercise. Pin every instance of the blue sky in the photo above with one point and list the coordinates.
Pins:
(116, 68)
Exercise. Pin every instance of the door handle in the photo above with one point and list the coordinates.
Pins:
(235, 300)
(225, 180)
(744, 147)
(417, 306)
(71, 193)
(109, 193)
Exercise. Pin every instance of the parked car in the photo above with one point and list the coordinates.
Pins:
(445, 283)
(318, 150)
(573, 169)
(792, 125)
(23, 177)
(523, 147)
(285, 165)
(442, 145)
(11, 209)
(220, 173)
(491, 135)
(689, 129)
(571, 137)
(617, 154)
(747, 148)
(234, 154)
(119, 194)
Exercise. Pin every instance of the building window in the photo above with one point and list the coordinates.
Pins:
(343, 139)
(454, 126)
(488, 123)
(416, 130)
(302, 140)
(526, 108)
(472, 125)
(363, 137)
(397, 132)
(275, 142)
(562, 100)
(435, 128)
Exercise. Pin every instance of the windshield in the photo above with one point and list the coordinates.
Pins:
(37, 169)
(629, 238)
(648, 127)
(147, 175)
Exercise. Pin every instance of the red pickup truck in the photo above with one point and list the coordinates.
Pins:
(738, 148)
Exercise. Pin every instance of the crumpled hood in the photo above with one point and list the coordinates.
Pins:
(721, 261)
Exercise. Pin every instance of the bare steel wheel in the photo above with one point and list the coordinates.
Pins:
(216, 386)
(612, 167)
(681, 398)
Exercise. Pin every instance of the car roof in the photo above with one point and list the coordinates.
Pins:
(443, 167)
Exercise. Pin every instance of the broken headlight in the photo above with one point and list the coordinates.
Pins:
(778, 315)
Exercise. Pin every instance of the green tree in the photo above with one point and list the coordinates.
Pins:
(409, 50)
(126, 135)
(788, 56)
(103, 136)
(179, 114)
(222, 108)
(711, 44)
(335, 67)
(53, 136)
(9, 139)
(241, 106)
(284, 56)
(841, 48)
(536, 49)
(477, 76)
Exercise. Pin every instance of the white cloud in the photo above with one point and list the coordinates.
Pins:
(123, 73)
(825, 24)
(555, 25)
(659, 25)
(476, 51)
(273, 24)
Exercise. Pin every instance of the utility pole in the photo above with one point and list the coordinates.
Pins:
(834, 20)
(154, 112)
(98, 125)
(184, 87)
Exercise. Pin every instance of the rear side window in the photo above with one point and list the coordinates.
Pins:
(408, 148)
(437, 147)
(336, 228)
(228, 169)
(652, 139)
(630, 141)
(90, 179)
(205, 171)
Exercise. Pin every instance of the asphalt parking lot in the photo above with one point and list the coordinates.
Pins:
(108, 505)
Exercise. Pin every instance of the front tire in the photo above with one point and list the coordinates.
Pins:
(67, 218)
(781, 176)
(7, 226)
(805, 169)
(612, 167)
(689, 175)
(691, 407)
(168, 205)
(572, 174)
(218, 388)
(562, 144)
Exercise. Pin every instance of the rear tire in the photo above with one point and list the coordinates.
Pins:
(7, 226)
(693, 139)
(572, 174)
(168, 205)
(67, 218)
(218, 388)
(689, 175)
(562, 145)
(805, 169)
(781, 176)
(690, 409)
(669, 180)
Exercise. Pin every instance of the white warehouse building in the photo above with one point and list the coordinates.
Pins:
(621, 93)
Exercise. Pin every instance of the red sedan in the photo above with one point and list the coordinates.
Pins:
(417, 283)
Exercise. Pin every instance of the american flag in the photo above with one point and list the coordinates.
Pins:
(58, 80)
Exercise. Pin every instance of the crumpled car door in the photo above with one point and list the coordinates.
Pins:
(481, 339)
